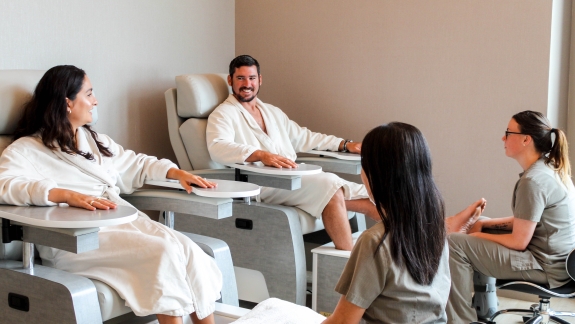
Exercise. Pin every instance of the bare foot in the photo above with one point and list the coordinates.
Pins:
(465, 228)
(462, 221)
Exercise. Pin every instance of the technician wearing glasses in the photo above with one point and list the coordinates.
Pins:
(541, 232)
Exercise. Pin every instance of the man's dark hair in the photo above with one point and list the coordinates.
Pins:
(397, 164)
(243, 60)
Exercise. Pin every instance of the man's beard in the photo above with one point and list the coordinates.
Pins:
(242, 99)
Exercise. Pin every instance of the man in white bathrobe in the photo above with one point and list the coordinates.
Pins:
(244, 129)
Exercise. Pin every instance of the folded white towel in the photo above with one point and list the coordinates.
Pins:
(279, 311)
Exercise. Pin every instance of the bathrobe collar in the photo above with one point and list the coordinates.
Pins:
(94, 168)
(267, 140)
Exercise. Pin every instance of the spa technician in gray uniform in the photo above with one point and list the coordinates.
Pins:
(542, 226)
(391, 277)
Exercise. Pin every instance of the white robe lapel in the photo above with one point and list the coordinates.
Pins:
(276, 140)
(93, 169)
(265, 139)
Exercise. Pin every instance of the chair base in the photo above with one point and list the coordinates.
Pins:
(538, 313)
(46, 295)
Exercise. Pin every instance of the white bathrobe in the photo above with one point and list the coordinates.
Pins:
(232, 135)
(156, 270)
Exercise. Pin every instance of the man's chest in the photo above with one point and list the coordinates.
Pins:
(258, 117)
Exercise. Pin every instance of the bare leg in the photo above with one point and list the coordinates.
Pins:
(363, 206)
(336, 224)
(208, 320)
(462, 221)
(166, 319)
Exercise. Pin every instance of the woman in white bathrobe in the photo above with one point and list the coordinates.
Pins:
(57, 158)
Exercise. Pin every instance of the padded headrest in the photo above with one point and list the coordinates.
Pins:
(16, 88)
(200, 94)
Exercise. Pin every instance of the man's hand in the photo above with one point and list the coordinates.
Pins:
(353, 147)
(76, 199)
(187, 179)
(271, 159)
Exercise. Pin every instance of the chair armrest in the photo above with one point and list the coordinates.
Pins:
(264, 180)
(75, 240)
(220, 251)
(329, 164)
(180, 202)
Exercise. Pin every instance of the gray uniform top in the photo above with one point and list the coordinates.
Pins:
(371, 280)
(541, 197)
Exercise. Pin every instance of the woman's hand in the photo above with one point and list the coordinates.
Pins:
(187, 179)
(76, 199)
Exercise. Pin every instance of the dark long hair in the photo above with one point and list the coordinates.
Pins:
(556, 153)
(46, 113)
(397, 163)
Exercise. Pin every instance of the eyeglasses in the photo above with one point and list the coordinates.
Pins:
(508, 132)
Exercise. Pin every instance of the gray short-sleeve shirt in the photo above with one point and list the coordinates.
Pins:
(541, 197)
(371, 280)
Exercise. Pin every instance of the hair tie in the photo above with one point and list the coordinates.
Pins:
(553, 129)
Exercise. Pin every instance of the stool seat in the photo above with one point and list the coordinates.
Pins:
(542, 290)
(536, 312)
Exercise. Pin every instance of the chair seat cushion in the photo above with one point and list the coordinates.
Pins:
(310, 224)
(111, 304)
(565, 291)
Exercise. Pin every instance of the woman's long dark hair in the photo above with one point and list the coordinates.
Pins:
(397, 163)
(556, 153)
(46, 113)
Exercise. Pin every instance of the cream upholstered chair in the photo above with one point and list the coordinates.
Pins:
(275, 245)
(56, 296)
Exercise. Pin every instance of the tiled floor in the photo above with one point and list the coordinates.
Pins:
(556, 304)
(504, 303)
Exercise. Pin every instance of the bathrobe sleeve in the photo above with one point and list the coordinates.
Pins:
(133, 169)
(301, 138)
(20, 182)
(221, 134)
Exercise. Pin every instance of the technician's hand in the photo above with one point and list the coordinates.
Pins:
(76, 199)
(477, 227)
(187, 179)
(271, 159)
(354, 147)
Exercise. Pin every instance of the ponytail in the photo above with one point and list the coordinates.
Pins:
(558, 157)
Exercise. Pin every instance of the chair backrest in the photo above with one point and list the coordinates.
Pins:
(188, 107)
(16, 87)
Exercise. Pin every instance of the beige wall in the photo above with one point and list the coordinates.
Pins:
(131, 50)
(457, 69)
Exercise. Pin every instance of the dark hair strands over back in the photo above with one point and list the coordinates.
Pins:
(243, 60)
(397, 164)
(556, 153)
(46, 113)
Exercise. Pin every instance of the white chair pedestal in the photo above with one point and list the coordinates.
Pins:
(328, 264)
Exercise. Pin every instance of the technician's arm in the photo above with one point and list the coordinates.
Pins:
(345, 312)
(505, 224)
(518, 239)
